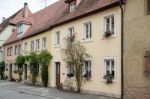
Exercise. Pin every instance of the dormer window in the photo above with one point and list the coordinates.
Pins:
(72, 6)
(20, 28)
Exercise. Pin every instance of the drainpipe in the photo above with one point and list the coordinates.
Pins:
(122, 46)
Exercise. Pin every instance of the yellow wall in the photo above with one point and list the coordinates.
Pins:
(34, 38)
(97, 48)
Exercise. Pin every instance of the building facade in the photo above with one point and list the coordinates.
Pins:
(13, 49)
(136, 49)
(96, 24)
(100, 49)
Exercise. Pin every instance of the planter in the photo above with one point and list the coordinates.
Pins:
(108, 78)
(107, 34)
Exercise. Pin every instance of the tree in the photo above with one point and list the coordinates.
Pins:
(34, 66)
(2, 69)
(74, 55)
(20, 62)
(44, 60)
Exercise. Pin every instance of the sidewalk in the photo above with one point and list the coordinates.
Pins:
(49, 92)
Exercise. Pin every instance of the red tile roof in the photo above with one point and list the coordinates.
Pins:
(58, 13)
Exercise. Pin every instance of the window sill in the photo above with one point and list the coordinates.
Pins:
(44, 48)
(86, 40)
(56, 46)
(114, 81)
(111, 37)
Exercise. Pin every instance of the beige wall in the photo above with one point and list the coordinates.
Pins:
(136, 43)
(10, 60)
(98, 48)
(34, 38)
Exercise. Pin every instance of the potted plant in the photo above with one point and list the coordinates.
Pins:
(87, 76)
(107, 34)
(109, 78)
(70, 75)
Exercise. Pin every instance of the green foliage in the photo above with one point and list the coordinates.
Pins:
(20, 62)
(2, 69)
(44, 60)
(74, 55)
(34, 65)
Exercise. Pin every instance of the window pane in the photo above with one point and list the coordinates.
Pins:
(107, 24)
(112, 24)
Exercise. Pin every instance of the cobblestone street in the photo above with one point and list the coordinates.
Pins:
(10, 94)
(11, 90)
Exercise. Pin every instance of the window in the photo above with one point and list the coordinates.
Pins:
(109, 67)
(57, 38)
(37, 44)
(44, 43)
(19, 49)
(71, 31)
(16, 50)
(32, 45)
(69, 71)
(20, 29)
(10, 51)
(109, 25)
(87, 30)
(25, 47)
(87, 69)
(72, 6)
(148, 6)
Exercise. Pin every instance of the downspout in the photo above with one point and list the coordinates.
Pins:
(122, 47)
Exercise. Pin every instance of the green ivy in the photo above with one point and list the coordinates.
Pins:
(20, 62)
(34, 65)
(44, 60)
(2, 69)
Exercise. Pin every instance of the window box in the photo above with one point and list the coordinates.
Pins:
(87, 76)
(108, 34)
(70, 75)
(109, 78)
(15, 72)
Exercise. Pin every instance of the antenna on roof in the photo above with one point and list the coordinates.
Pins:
(45, 2)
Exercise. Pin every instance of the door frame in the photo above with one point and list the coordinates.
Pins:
(58, 76)
(25, 72)
(10, 71)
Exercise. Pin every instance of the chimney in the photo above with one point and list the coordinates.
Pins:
(25, 10)
(3, 19)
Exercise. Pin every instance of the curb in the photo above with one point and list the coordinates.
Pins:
(32, 93)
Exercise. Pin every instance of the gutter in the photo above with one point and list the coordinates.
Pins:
(122, 47)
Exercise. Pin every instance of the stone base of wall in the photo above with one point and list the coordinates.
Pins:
(102, 94)
(137, 93)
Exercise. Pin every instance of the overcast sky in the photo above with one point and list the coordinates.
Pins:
(9, 7)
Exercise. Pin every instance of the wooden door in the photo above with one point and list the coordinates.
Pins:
(25, 72)
(58, 75)
(10, 71)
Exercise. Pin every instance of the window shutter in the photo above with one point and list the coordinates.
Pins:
(147, 63)
(148, 6)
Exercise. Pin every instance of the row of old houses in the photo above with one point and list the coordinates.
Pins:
(115, 34)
